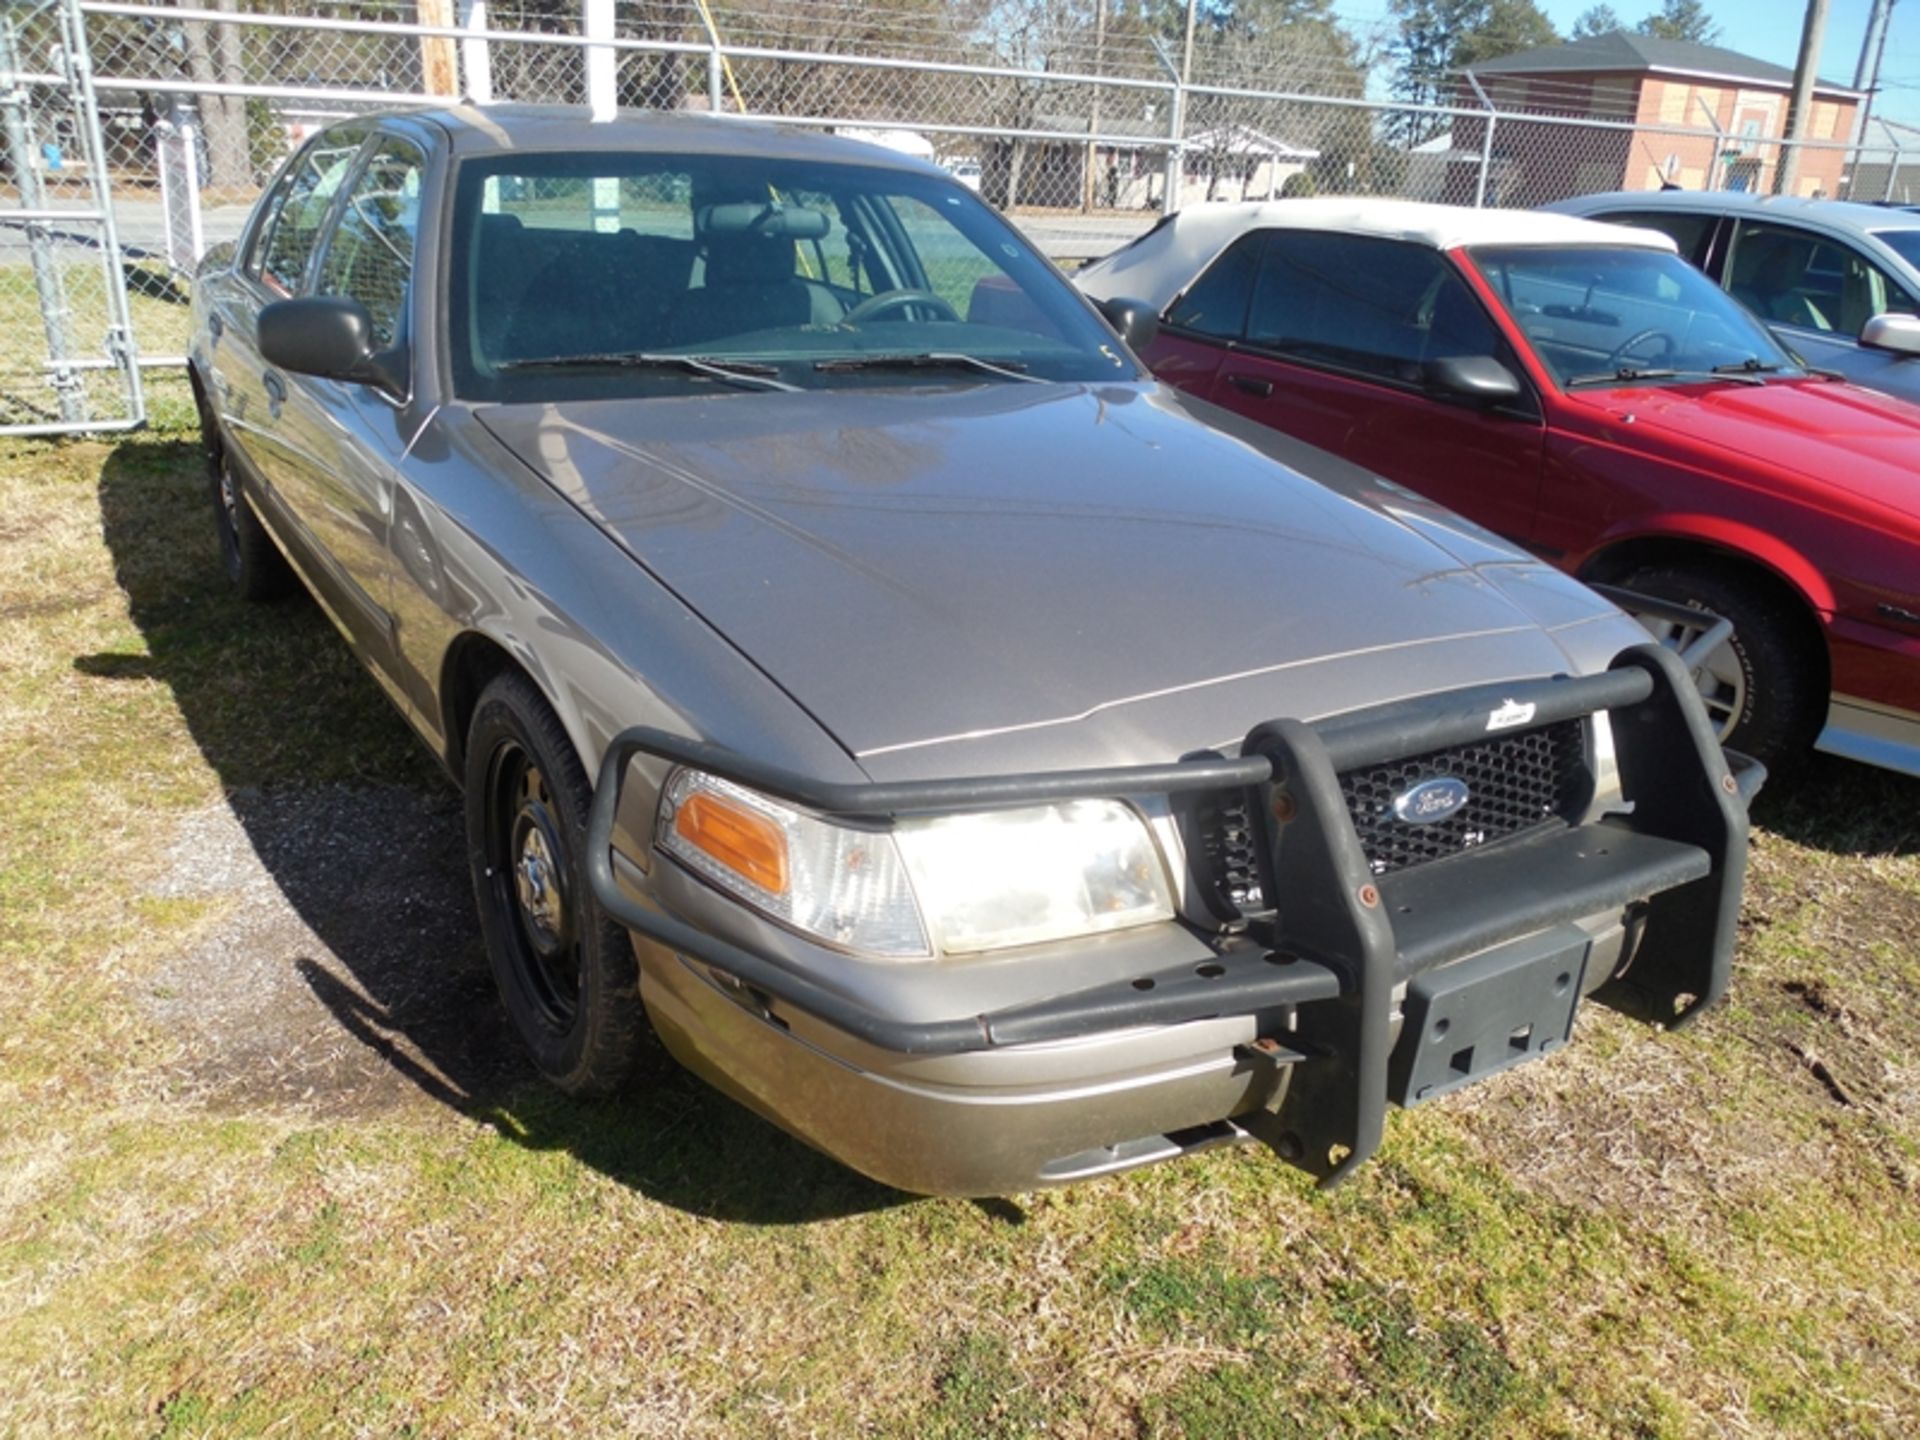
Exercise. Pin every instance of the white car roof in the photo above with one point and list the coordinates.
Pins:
(1164, 261)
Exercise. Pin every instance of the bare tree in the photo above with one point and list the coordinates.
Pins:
(215, 57)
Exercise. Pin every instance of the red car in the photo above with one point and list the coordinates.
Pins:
(1581, 390)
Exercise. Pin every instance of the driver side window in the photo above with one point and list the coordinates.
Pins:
(288, 239)
(369, 256)
(1383, 308)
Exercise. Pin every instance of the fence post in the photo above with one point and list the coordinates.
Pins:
(1176, 131)
(47, 280)
(476, 60)
(602, 61)
(1486, 142)
(1893, 166)
(1714, 161)
(716, 97)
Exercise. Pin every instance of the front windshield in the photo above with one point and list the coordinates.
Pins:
(620, 274)
(1599, 312)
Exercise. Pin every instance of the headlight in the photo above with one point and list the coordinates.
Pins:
(983, 882)
(1018, 877)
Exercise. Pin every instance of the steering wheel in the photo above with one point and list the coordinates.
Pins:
(888, 301)
(1617, 356)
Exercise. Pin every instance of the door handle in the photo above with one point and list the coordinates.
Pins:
(276, 389)
(1251, 384)
(215, 325)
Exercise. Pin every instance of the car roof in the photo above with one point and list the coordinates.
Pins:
(1166, 259)
(1846, 215)
(478, 130)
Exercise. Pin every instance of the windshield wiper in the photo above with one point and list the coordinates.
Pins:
(1738, 374)
(1752, 365)
(740, 372)
(930, 360)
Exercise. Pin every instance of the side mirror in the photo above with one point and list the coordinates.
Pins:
(1898, 333)
(326, 335)
(1478, 379)
(1134, 320)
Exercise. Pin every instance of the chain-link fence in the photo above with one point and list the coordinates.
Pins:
(66, 359)
(1082, 121)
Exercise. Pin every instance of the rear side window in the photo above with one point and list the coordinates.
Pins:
(1381, 307)
(370, 254)
(1690, 232)
(291, 233)
(1216, 303)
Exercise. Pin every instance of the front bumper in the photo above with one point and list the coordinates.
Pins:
(1289, 1032)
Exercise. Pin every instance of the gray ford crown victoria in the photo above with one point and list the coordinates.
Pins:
(989, 764)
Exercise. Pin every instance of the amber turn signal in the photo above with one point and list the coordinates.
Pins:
(747, 843)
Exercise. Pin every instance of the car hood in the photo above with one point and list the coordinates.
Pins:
(1009, 576)
(1852, 439)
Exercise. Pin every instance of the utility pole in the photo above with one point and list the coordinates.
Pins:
(437, 65)
(1812, 34)
(1866, 72)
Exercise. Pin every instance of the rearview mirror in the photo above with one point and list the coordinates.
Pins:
(1480, 379)
(1133, 319)
(326, 335)
(1898, 333)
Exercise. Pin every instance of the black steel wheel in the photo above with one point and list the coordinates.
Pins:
(255, 568)
(566, 974)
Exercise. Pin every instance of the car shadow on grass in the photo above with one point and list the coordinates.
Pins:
(353, 959)
(1843, 808)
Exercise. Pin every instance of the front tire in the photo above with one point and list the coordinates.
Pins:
(1759, 688)
(566, 973)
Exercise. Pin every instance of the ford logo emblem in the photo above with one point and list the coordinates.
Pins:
(1432, 801)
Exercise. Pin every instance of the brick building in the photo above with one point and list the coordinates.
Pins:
(1648, 83)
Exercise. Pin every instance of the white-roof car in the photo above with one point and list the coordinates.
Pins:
(1158, 265)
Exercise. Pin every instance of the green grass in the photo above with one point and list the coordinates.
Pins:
(1651, 1234)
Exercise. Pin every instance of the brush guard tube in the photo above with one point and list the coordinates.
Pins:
(1321, 973)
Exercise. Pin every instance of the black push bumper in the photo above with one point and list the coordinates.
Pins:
(1323, 969)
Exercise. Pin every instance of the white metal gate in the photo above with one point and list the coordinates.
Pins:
(67, 360)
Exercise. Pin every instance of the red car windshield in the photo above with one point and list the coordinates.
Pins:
(1596, 313)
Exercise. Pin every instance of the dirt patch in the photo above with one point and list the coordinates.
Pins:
(344, 972)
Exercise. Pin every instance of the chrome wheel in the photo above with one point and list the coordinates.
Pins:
(1722, 682)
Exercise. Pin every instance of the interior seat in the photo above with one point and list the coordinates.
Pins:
(749, 280)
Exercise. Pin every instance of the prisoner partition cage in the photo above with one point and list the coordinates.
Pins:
(138, 133)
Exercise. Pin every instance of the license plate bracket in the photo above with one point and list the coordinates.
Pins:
(1487, 1013)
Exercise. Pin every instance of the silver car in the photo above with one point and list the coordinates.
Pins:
(987, 763)
(1838, 282)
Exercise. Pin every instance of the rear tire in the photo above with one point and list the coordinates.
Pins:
(255, 567)
(1760, 688)
(566, 973)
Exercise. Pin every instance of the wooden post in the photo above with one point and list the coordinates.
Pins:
(439, 67)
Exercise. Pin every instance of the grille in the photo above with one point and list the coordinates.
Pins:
(1514, 783)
